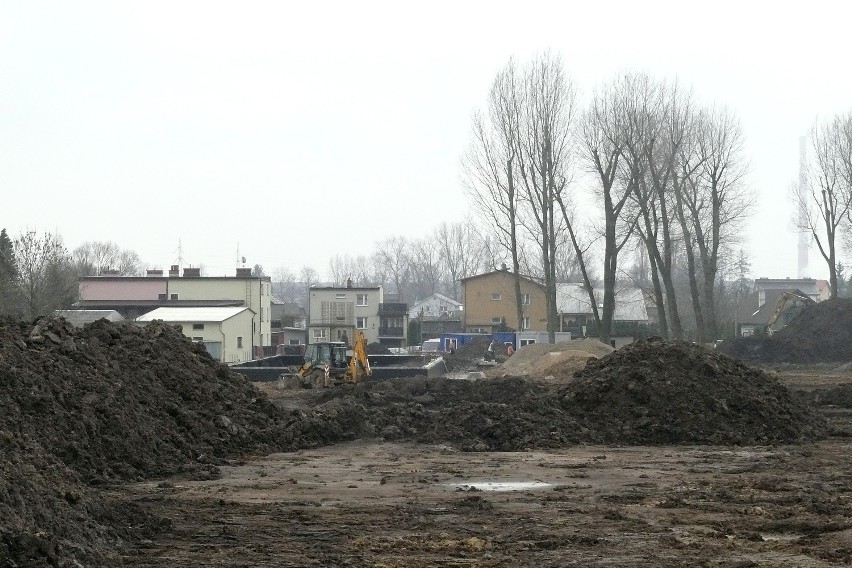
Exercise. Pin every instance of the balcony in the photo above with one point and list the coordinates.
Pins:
(393, 309)
(391, 332)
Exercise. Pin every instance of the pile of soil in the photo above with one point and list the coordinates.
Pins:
(661, 392)
(108, 403)
(820, 333)
(551, 362)
(115, 402)
(651, 392)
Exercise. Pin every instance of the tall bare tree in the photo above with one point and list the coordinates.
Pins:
(717, 200)
(828, 198)
(544, 166)
(490, 166)
(602, 147)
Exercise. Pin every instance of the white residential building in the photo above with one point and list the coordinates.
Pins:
(226, 332)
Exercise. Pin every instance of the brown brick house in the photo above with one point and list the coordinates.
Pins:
(489, 301)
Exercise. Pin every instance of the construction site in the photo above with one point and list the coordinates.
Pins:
(125, 445)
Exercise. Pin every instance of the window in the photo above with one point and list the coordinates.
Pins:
(174, 296)
(527, 342)
(361, 323)
(498, 320)
(496, 296)
(525, 323)
(340, 296)
(239, 342)
(161, 296)
(361, 299)
(294, 342)
(198, 326)
(319, 333)
(525, 299)
(198, 339)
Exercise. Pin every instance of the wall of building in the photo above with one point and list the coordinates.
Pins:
(255, 292)
(122, 288)
(221, 338)
(325, 302)
(480, 308)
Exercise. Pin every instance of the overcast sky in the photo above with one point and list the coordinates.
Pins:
(291, 132)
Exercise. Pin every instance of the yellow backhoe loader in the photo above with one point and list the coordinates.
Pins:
(326, 364)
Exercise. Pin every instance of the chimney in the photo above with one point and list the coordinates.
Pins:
(109, 272)
(154, 272)
(243, 272)
(348, 282)
(174, 270)
(191, 272)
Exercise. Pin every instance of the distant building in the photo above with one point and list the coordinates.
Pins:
(133, 296)
(816, 290)
(436, 315)
(79, 318)
(288, 325)
(225, 332)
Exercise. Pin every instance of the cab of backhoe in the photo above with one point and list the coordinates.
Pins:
(332, 354)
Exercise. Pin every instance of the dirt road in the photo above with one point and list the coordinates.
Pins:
(380, 504)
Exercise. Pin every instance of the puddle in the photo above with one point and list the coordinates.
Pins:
(779, 537)
(499, 485)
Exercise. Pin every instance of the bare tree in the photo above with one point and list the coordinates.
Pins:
(544, 149)
(46, 277)
(827, 201)
(714, 202)
(519, 163)
(129, 263)
(490, 167)
(463, 252)
(394, 256)
(428, 268)
(602, 144)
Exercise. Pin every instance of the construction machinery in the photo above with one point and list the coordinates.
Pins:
(788, 305)
(327, 364)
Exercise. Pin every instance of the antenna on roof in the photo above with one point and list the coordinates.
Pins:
(179, 252)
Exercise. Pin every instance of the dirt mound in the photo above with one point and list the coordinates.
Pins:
(555, 362)
(115, 402)
(652, 392)
(106, 403)
(820, 333)
(657, 391)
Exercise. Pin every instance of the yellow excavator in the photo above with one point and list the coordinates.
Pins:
(326, 365)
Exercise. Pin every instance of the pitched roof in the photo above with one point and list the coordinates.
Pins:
(213, 315)
(507, 272)
(78, 318)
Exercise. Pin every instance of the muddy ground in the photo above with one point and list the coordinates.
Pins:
(125, 445)
(391, 504)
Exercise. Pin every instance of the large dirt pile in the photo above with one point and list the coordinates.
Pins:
(106, 403)
(652, 392)
(820, 333)
(115, 402)
(555, 362)
(657, 391)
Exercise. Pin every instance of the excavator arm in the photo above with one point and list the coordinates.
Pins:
(359, 365)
